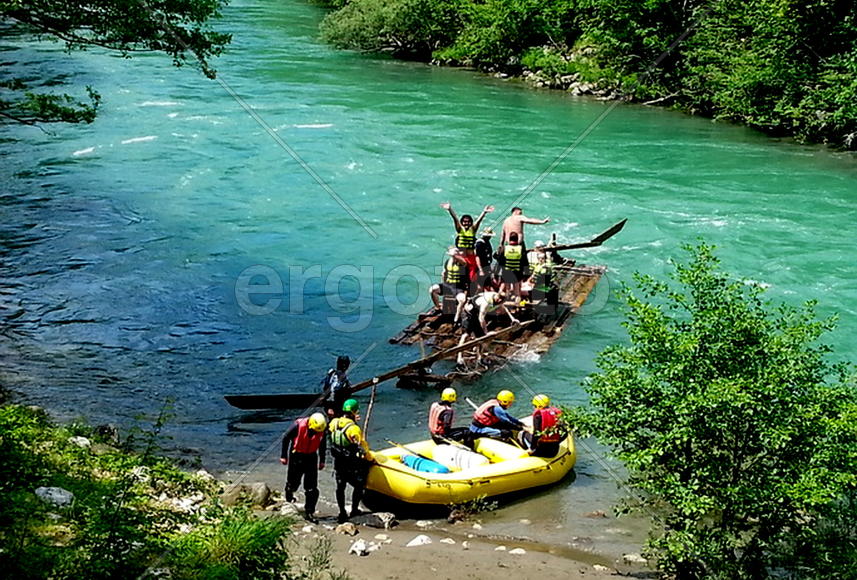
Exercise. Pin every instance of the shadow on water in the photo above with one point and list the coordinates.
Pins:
(243, 423)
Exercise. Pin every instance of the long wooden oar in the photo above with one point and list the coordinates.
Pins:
(596, 241)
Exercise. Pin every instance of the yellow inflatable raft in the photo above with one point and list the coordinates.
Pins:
(508, 469)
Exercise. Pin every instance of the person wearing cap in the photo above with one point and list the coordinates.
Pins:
(485, 258)
(442, 415)
(351, 458)
(465, 236)
(491, 418)
(335, 386)
(474, 319)
(454, 281)
(546, 434)
(303, 451)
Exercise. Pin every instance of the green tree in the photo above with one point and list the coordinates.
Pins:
(178, 28)
(736, 429)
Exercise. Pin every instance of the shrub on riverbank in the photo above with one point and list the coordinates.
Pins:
(738, 432)
(787, 69)
(74, 504)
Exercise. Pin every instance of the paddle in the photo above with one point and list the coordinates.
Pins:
(596, 241)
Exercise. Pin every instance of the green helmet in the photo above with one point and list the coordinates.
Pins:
(350, 406)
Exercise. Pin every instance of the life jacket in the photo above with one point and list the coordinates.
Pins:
(544, 276)
(454, 272)
(465, 239)
(549, 417)
(307, 440)
(484, 416)
(514, 255)
(340, 445)
(436, 426)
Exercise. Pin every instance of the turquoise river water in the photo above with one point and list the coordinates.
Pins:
(134, 249)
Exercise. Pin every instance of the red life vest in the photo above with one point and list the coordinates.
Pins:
(436, 426)
(549, 417)
(484, 416)
(307, 440)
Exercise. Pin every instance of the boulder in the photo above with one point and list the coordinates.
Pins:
(259, 493)
(347, 528)
(81, 442)
(634, 559)
(383, 520)
(55, 496)
(109, 433)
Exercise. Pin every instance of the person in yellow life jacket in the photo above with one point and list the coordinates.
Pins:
(465, 238)
(545, 294)
(351, 458)
(442, 415)
(303, 451)
(513, 267)
(454, 281)
(491, 418)
(546, 435)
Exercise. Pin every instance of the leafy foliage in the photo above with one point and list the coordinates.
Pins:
(130, 510)
(734, 426)
(176, 27)
(788, 68)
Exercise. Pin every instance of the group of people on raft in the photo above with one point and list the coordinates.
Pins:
(305, 443)
(477, 281)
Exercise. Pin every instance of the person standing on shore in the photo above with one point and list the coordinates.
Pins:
(303, 450)
(351, 458)
(335, 386)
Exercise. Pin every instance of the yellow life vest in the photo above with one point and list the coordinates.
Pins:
(513, 255)
(453, 273)
(466, 239)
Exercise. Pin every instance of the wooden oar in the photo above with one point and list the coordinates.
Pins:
(596, 241)
(303, 401)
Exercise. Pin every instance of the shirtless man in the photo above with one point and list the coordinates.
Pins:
(515, 223)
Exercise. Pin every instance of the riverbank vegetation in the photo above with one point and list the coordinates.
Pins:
(178, 28)
(79, 503)
(738, 432)
(784, 68)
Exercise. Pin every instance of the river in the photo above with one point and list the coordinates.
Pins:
(134, 250)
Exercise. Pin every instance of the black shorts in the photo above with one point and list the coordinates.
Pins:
(470, 324)
(448, 289)
(353, 470)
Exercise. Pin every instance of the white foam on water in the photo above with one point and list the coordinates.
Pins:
(172, 115)
(139, 139)
(351, 166)
(313, 126)
(159, 104)
(751, 282)
(80, 152)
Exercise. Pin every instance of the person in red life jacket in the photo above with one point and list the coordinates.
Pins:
(546, 435)
(441, 417)
(465, 238)
(492, 420)
(304, 446)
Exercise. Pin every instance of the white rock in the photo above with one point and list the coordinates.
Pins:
(518, 551)
(525, 521)
(359, 548)
(307, 529)
(500, 549)
(634, 559)
(422, 523)
(203, 474)
(449, 541)
(55, 495)
(382, 537)
(81, 442)
(477, 526)
(600, 568)
(465, 545)
(420, 540)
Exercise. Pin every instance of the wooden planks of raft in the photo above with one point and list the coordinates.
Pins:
(575, 283)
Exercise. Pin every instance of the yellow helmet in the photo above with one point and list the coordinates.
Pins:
(449, 395)
(541, 401)
(317, 422)
(506, 397)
